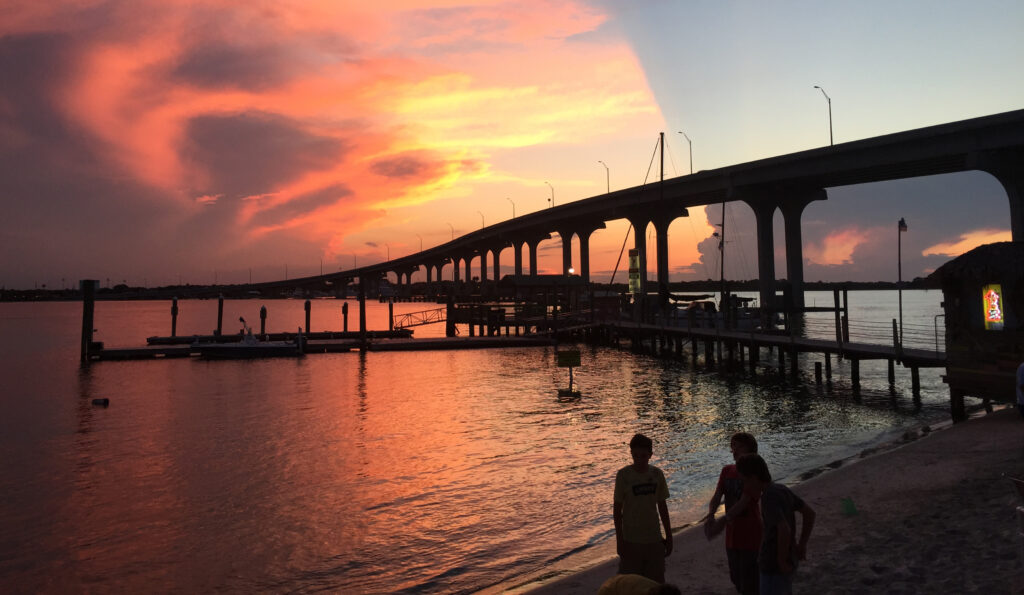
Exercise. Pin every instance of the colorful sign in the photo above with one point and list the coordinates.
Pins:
(992, 301)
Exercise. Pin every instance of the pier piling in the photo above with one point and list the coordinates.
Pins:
(88, 309)
(220, 316)
(344, 317)
(308, 307)
(263, 320)
(174, 317)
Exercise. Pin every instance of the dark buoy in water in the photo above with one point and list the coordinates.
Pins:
(101, 402)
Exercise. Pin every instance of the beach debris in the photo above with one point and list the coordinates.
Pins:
(849, 509)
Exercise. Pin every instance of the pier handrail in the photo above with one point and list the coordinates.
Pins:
(421, 318)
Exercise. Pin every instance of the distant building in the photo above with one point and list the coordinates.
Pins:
(983, 298)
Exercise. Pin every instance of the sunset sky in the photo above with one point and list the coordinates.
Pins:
(199, 140)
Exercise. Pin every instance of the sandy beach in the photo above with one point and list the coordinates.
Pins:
(934, 514)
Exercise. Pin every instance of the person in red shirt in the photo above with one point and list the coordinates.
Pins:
(742, 520)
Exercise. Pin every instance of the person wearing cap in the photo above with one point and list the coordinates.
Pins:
(639, 512)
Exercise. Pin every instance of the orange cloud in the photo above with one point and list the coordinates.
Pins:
(315, 118)
(837, 247)
(968, 241)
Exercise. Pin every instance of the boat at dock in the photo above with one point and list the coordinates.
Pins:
(250, 347)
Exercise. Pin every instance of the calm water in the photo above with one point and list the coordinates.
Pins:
(420, 472)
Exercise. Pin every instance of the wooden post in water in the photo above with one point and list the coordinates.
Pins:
(88, 287)
(362, 314)
(846, 317)
(915, 382)
(174, 316)
(220, 315)
(782, 361)
(839, 325)
(855, 374)
(794, 360)
(391, 314)
(308, 307)
(817, 373)
(892, 371)
(828, 367)
(344, 317)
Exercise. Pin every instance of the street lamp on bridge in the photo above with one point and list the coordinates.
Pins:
(421, 242)
(482, 224)
(607, 177)
(829, 99)
(552, 199)
(453, 231)
(389, 251)
(513, 206)
(690, 144)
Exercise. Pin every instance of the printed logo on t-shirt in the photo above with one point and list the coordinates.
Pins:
(644, 489)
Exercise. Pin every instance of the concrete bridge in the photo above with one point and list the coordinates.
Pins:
(788, 183)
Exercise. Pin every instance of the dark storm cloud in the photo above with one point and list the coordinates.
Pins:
(403, 166)
(255, 153)
(31, 69)
(218, 65)
(302, 205)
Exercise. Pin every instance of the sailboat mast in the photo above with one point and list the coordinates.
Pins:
(721, 256)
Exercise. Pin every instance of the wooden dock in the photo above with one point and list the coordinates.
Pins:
(337, 345)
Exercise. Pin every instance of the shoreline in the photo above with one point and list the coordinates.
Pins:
(894, 486)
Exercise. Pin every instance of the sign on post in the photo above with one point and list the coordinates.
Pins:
(569, 358)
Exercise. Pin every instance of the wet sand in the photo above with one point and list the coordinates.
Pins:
(934, 514)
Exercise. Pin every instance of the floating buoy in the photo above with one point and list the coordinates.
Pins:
(101, 402)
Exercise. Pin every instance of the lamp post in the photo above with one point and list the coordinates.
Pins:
(513, 206)
(453, 231)
(482, 224)
(607, 177)
(690, 144)
(552, 199)
(421, 242)
(389, 251)
(829, 99)
(900, 227)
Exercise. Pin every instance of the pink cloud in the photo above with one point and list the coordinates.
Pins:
(837, 247)
(968, 241)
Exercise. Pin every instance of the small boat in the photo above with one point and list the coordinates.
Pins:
(251, 348)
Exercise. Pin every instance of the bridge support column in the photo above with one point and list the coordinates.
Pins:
(533, 255)
(764, 212)
(497, 264)
(1008, 168)
(566, 236)
(518, 257)
(469, 267)
(792, 210)
(585, 256)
